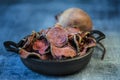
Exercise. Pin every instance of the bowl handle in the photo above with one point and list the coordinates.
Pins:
(11, 46)
(98, 39)
(99, 33)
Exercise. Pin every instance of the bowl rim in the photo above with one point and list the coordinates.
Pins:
(62, 60)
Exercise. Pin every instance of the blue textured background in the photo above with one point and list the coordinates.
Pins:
(19, 17)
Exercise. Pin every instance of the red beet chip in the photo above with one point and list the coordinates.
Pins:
(57, 36)
(41, 46)
(66, 51)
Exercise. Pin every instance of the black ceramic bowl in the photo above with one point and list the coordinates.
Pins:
(55, 67)
(58, 67)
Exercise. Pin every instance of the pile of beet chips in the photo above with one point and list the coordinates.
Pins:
(58, 43)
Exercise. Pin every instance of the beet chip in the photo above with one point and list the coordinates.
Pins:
(66, 51)
(57, 36)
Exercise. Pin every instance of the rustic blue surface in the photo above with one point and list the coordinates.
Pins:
(19, 17)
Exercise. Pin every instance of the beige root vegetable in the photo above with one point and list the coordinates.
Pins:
(75, 17)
